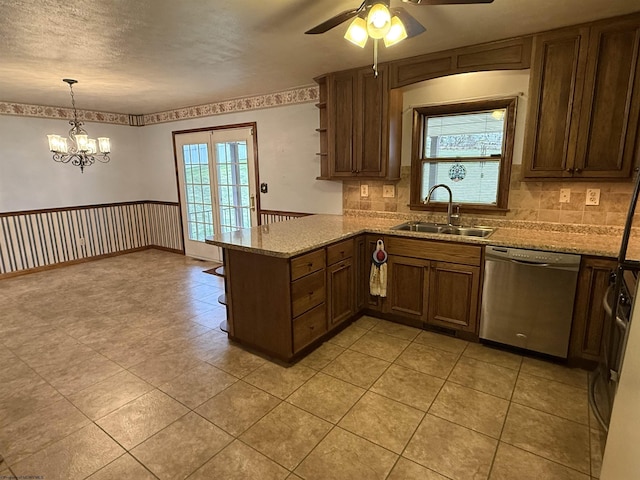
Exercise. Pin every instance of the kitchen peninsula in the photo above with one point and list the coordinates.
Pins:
(292, 284)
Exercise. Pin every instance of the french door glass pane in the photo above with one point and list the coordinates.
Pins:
(198, 188)
(233, 185)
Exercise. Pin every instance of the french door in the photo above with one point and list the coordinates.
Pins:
(217, 182)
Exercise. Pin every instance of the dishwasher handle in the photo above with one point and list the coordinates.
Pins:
(531, 264)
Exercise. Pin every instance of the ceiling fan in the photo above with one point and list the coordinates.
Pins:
(411, 25)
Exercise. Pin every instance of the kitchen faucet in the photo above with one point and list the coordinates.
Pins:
(427, 199)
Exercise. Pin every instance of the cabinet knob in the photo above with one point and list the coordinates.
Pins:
(578, 170)
(569, 170)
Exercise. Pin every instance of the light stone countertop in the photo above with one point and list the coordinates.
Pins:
(294, 237)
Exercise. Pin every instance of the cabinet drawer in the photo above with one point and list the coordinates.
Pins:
(307, 292)
(339, 251)
(309, 326)
(434, 250)
(308, 263)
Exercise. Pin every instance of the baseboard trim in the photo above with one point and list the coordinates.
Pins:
(85, 260)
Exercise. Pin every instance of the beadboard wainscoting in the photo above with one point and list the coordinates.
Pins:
(38, 239)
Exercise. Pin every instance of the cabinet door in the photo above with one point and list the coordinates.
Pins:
(611, 103)
(341, 294)
(555, 90)
(407, 287)
(371, 134)
(589, 315)
(453, 296)
(340, 105)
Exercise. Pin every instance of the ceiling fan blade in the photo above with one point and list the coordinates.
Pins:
(446, 2)
(333, 22)
(411, 25)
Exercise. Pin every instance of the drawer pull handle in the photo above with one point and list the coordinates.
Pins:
(310, 264)
(310, 294)
(312, 327)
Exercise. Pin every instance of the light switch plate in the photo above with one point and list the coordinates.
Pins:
(364, 190)
(593, 196)
(565, 195)
(388, 191)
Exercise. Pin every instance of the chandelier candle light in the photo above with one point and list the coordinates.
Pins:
(82, 151)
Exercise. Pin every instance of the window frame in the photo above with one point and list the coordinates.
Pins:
(420, 114)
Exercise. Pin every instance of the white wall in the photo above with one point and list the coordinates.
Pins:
(287, 146)
(30, 179)
(467, 87)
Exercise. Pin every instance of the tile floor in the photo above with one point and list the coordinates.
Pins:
(116, 369)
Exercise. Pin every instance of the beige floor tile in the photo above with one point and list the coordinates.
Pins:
(344, 456)
(486, 377)
(451, 450)
(356, 368)
(408, 470)
(238, 407)
(560, 373)
(441, 342)
(380, 345)
(326, 396)
(240, 462)
(182, 447)
(367, 322)
(597, 441)
(136, 421)
(130, 352)
(321, 356)
(470, 408)
(552, 397)
(427, 360)
(196, 386)
(408, 386)
(511, 463)
(28, 435)
(279, 381)
(74, 457)
(382, 421)
(23, 396)
(123, 467)
(396, 330)
(162, 368)
(493, 355)
(71, 379)
(104, 397)
(549, 436)
(348, 336)
(234, 360)
(286, 434)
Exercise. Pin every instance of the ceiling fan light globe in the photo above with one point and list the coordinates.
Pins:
(396, 33)
(378, 21)
(357, 32)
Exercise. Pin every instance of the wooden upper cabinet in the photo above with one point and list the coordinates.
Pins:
(584, 102)
(360, 125)
(611, 101)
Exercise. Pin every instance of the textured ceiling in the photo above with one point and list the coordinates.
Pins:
(147, 56)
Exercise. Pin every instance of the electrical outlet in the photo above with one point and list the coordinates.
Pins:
(593, 196)
(81, 241)
(565, 195)
(364, 190)
(388, 191)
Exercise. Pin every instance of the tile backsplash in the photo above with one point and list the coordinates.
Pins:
(528, 200)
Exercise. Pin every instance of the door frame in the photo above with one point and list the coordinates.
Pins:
(254, 128)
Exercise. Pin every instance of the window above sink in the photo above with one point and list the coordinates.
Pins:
(466, 146)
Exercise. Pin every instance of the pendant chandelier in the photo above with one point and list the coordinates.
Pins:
(81, 150)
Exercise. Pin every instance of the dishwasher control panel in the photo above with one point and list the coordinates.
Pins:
(537, 257)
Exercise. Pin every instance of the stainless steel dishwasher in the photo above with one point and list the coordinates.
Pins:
(527, 298)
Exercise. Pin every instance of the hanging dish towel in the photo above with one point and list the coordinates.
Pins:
(378, 277)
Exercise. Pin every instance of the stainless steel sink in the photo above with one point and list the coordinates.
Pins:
(461, 230)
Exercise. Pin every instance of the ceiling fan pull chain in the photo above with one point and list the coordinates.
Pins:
(375, 57)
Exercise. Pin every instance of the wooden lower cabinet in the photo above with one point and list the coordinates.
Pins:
(453, 296)
(340, 288)
(588, 313)
(408, 287)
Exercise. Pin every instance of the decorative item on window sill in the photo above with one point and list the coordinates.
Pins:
(82, 150)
